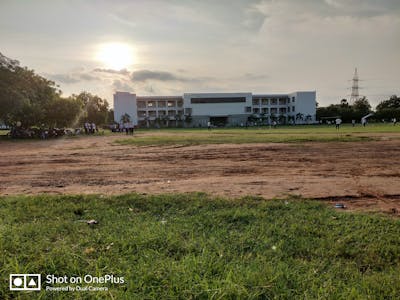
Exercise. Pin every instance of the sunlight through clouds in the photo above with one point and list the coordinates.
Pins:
(115, 56)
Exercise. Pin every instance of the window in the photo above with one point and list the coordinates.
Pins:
(293, 99)
(247, 109)
(161, 104)
(218, 100)
(293, 108)
(282, 101)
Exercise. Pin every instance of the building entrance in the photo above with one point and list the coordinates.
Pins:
(219, 121)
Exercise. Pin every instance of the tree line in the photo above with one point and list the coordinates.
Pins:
(385, 110)
(33, 100)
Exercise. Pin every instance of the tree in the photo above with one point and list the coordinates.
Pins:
(362, 106)
(346, 112)
(125, 118)
(31, 99)
(188, 119)
(110, 116)
(95, 108)
(388, 109)
(24, 95)
(299, 117)
(63, 112)
(393, 102)
(344, 102)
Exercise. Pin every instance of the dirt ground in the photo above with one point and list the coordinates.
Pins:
(362, 175)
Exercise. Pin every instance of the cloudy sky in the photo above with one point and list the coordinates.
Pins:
(171, 47)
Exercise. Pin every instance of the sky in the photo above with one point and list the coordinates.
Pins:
(175, 47)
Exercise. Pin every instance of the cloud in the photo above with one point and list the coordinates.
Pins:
(120, 85)
(63, 78)
(80, 75)
(144, 75)
(88, 77)
(124, 72)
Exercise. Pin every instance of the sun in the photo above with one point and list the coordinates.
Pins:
(116, 56)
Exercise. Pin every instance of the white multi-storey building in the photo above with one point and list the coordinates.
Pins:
(222, 109)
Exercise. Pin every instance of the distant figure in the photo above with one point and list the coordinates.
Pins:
(126, 126)
(338, 121)
(353, 123)
(394, 121)
(274, 124)
(209, 125)
(93, 128)
(363, 122)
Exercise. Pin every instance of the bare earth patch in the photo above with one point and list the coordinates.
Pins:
(362, 175)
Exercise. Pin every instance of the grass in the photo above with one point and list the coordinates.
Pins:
(192, 246)
(284, 134)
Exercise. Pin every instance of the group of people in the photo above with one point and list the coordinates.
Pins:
(90, 128)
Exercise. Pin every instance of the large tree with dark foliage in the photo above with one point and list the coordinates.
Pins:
(31, 99)
(35, 101)
(389, 109)
(95, 109)
(345, 111)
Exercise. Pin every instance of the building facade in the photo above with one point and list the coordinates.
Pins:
(220, 109)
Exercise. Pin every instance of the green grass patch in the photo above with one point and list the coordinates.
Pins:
(193, 246)
(242, 138)
(283, 134)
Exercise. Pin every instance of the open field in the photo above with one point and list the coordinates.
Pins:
(193, 246)
(282, 134)
(169, 241)
(364, 174)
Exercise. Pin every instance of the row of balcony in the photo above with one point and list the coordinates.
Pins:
(179, 103)
(159, 104)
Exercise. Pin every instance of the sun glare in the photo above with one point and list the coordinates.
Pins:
(115, 56)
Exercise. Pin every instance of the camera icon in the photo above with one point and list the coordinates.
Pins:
(25, 282)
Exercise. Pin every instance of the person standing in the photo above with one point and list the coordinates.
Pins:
(394, 121)
(363, 122)
(353, 122)
(209, 125)
(338, 121)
